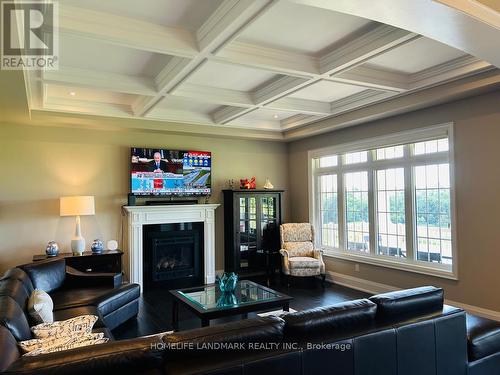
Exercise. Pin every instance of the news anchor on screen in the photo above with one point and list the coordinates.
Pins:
(157, 165)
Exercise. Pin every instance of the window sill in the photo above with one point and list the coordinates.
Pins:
(390, 263)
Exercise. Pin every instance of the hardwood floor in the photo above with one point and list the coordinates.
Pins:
(155, 306)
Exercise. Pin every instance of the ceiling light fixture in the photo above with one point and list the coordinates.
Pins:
(276, 116)
(72, 93)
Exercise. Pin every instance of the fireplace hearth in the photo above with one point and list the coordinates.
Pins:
(173, 255)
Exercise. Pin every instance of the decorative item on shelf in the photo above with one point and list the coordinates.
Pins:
(248, 184)
(268, 184)
(227, 282)
(52, 249)
(230, 184)
(77, 206)
(97, 246)
(112, 245)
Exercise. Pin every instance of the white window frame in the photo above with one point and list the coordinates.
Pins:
(404, 137)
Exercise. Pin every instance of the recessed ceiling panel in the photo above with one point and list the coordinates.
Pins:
(229, 76)
(94, 55)
(301, 28)
(326, 91)
(415, 56)
(59, 92)
(186, 14)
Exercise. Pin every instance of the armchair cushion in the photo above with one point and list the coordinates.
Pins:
(299, 249)
(304, 262)
(296, 232)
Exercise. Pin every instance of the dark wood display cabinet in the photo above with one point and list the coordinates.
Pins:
(251, 230)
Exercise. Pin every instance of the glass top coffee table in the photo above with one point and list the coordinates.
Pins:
(208, 302)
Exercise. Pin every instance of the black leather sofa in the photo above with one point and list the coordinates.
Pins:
(406, 332)
(73, 293)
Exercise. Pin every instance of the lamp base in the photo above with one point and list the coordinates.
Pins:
(78, 245)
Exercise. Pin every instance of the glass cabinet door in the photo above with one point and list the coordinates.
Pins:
(247, 230)
(268, 222)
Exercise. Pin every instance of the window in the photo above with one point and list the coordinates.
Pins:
(388, 201)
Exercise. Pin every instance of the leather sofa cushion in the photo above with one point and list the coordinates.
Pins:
(106, 298)
(79, 311)
(409, 302)
(342, 316)
(9, 349)
(13, 318)
(47, 275)
(19, 274)
(483, 337)
(15, 289)
(255, 330)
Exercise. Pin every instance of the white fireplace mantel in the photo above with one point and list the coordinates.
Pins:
(137, 216)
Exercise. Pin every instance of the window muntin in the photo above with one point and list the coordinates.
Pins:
(391, 218)
(329, 210)
(328, 161)
(392, 152)
(356, 211)
(356, 157)
(433, 214)
(430, 147)
(412, 236)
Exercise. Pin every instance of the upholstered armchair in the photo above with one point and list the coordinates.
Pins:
(299, 257)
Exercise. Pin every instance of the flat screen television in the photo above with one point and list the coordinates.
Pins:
(170, 172)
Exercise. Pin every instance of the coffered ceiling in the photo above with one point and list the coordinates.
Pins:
(255, 64)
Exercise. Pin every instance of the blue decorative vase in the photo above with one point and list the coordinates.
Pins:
(97, 247)
(52, 249)
(228, 282)
(227, 299)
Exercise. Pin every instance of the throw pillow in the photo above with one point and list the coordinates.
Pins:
(79, 325)
(40, 307)
(42, 346)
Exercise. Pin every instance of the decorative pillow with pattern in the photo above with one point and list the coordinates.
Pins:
(40, 307)
(79, 325)
(76, 341)
(54, 342)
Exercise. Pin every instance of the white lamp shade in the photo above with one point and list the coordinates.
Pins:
(77, 205)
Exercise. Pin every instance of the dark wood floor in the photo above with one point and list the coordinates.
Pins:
(155, 306)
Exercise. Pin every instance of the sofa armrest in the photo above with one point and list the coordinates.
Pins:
(284, 253)
(75, 278)
(126, 356)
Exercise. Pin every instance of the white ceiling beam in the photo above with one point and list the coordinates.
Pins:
(347, 56)
(225, 114)
(309, 107)
(225, 24)
(272, 59)
(379, 39)
(457, 27)
(127, 32)
(121, 83)
(374, 78)
(298, 120)
(215, 95)
(457, 68)
(359, 99)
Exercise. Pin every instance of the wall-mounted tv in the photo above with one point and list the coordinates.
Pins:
(170, 172)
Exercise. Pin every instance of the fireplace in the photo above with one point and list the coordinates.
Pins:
(173, 255)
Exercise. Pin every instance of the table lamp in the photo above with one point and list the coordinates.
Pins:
(77, 206)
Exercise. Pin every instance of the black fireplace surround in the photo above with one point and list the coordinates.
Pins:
(173, 255)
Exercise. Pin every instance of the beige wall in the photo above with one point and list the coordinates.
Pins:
(477, 176)
(39, 164)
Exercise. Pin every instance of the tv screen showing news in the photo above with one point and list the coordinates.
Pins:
(170, 172)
